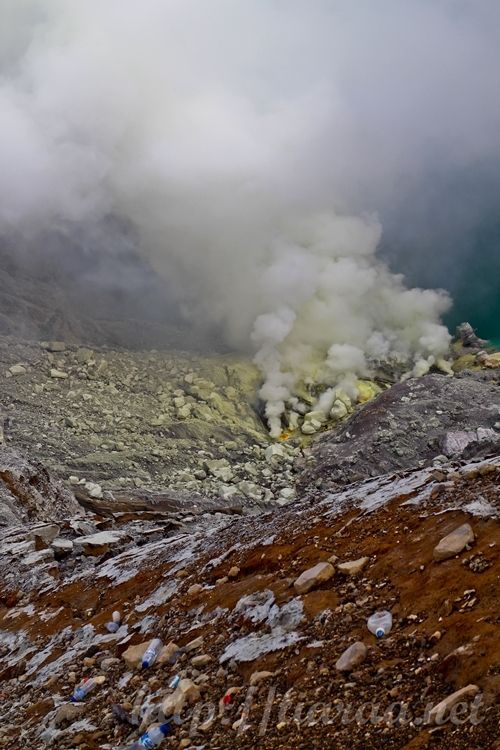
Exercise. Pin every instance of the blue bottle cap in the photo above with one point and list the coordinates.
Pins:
(165, 729)
(380, 632)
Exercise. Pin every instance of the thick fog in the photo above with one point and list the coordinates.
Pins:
(256, 148)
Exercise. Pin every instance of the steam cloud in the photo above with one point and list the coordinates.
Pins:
(251, 143)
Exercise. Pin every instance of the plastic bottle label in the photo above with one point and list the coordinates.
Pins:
(146, 741)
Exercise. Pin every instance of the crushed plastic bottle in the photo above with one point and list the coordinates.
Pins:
(151, 653)
(174, 682)
(83, 689)
(380, 623)
(116, 621)
(152, 738)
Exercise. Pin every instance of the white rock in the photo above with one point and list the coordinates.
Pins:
(440, 710)
(98, 544)
(35, 558)
(227, 491)
(220, 469)
(286, 496)
(250, 490)
(47, 532)
(275, 453)
(94, 489)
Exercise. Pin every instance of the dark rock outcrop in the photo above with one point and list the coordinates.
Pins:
(406, 426)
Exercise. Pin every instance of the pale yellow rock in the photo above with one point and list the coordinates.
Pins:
(195, 589)
(312, 577)
(489, 360)
(168, 653)
(233, 572)
(186, 692)
(133, 655)
(353, 567)
(17, 370)
(201, 661)
(367, 390)
(58, 374)
(194, 644)
(454, 543)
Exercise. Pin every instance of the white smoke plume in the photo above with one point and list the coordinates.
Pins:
(250, 144)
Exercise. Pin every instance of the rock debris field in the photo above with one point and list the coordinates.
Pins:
(144, 510)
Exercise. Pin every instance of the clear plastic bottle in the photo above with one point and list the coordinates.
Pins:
(152, 738)
(151, 653)
(83, 689)
(174, 681)
(380, 623)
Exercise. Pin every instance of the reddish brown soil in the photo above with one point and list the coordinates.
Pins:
(418, 663)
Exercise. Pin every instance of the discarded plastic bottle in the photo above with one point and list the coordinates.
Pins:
(152, 738)
(83, 689)
(151, 653)
(174, 682)
(380, 623)
(116, 621)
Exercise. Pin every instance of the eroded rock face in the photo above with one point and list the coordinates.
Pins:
(405, 427)
(28, 493)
